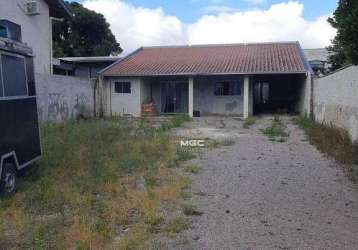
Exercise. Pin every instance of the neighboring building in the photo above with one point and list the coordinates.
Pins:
(35, 19)
(87, 67)
(237, 80)
(318, 59)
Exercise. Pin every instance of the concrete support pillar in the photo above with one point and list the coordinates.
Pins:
(101, 97)
(246, 96)
(311, 94)
(191, 96)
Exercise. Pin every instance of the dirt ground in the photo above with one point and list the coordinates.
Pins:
(261, 194)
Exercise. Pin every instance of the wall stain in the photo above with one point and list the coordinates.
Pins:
(58, 108)
(231, 106)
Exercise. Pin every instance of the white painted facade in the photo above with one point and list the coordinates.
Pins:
(305, 100)
(336, 100)
(118, 104)
(200, 97)
(35, 30)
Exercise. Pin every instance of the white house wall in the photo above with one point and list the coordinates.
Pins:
(208, 103)
(123, 103)
(336, 100)
(304, 104)
(35, 30)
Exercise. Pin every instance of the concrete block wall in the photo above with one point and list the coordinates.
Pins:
(335, 100)
(61, 98)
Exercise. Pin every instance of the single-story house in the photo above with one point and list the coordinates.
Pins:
(230, 79)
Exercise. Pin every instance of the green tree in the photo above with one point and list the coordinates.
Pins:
(344, 48)
(85, 34)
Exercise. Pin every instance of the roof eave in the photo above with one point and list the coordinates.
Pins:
(103, 71)
(307, 65)
(59, 9)
(209, 74)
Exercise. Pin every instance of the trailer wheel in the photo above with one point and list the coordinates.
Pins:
(8, 180)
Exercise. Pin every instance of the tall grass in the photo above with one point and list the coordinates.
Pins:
(332, 141)
(94, 178)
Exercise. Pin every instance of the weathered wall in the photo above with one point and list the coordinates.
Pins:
(209, 104)
(204, 99)
(122, 103)
(304, 103)
(35, 30)
(336, 100)
(62, 98)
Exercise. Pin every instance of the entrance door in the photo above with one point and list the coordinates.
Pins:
(174, 97)
(261, 96)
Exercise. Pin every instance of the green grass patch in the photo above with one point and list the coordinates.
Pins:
(94, 177)
(332, 141)
(212, 144)
(193, 169)
(276, 132)
(176, 121)
(329, 139)
(191, 210)
(227, 142)
(177, 225)
(184, 154)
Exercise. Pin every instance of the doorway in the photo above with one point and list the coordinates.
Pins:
(261, 96)
(174, 97)
(277, 93)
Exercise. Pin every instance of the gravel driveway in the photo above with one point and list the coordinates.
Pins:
(259, 194)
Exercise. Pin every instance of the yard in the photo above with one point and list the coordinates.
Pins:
(100, 184)
(115, 184)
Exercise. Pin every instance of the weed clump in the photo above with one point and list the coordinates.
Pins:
(191, 210)
(249, 122)
(193, 169)
(332, 141)
(276, 132)
(177, 225)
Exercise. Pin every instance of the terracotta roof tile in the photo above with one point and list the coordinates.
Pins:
(212, 59)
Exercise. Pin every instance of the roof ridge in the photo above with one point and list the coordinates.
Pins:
(216, 45)
(283, 57)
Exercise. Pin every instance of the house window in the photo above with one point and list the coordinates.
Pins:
(122, 87)
(3, 31)
(227, 88)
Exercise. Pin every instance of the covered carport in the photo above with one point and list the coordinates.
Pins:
(278, 93)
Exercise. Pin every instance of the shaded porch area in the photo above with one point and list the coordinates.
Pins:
(278, 94)
(230, 95)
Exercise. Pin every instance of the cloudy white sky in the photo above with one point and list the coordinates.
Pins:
(137, 24)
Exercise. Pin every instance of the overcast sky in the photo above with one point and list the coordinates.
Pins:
(137, 23)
